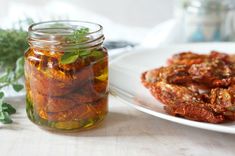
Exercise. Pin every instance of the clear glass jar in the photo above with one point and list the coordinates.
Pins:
(66, 75)
(206, 20)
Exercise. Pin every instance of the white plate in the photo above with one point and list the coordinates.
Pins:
(125, 82)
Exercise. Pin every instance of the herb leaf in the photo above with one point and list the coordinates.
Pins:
(5, 111)
(5, 117)
(19, 70)
(13, 43)
(17, 87)
(8, 108)
(84, 53)
(78, 36)
(1, 95)
(3, 78)
(69, 57)
(97, 54)
(10, 78)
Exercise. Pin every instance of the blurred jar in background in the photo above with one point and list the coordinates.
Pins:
(207, 20)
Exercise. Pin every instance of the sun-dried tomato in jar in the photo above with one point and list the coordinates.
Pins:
(66, 73)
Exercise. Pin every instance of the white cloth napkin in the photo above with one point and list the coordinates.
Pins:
(54, 10)
(165, 33)
(59, 10)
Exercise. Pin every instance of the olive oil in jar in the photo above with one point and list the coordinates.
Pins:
(66, 72)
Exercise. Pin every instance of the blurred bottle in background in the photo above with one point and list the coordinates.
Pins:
(206, 20)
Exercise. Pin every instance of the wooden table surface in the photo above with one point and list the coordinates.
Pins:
(125, 132)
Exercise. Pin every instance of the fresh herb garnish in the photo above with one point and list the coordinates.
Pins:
(12, 75)
(5, 111)
(78, 36)
(69, 57)
(13, 43)
(10, 78)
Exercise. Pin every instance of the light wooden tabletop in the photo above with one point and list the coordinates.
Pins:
(126, 131)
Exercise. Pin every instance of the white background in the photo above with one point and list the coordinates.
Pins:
(143, 13)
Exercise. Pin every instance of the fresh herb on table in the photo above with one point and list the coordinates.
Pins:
(13, 43)
(5, 111)
(78, 36)
(10, 78)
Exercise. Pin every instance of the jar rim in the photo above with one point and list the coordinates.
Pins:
(53, 34)
(32, 29)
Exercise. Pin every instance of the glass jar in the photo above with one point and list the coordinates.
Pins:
(66, 75)
(206, 20)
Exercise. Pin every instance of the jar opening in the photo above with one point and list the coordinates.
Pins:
(65, 35)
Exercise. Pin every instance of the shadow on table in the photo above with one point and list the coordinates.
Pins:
(115, 124)
(18, 102)
(142, 125)
(134, 126)
(132, 123)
